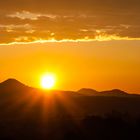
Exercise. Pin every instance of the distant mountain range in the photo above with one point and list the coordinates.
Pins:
(31, 113)
(114, 92)
(12, 85)
(16, 98)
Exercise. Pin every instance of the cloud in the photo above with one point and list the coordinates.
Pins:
(33, 39)
(32, 16)
(15, 28)
(69, 20)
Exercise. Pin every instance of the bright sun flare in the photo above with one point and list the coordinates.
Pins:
(48, 81)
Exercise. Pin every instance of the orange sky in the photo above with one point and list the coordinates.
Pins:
(86, 43)
(99, 65)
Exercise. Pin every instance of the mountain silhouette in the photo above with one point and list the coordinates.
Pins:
(30, 113)
(88, 91)
(88, 101)
(92, 92)
(114, 92)
(12, 85)
(12, 82)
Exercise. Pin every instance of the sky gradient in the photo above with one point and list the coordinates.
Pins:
(86, 43)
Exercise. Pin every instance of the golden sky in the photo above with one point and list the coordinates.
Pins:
(98, 65)
(87, 43)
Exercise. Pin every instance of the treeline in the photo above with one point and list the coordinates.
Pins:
(109, 127)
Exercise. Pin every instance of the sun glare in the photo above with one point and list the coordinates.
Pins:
(48, 81)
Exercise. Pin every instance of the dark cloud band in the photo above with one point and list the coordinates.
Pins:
(75, 19)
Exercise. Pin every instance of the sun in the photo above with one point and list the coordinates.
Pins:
(48, 81)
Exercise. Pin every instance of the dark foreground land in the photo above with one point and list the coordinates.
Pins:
(31, 114)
